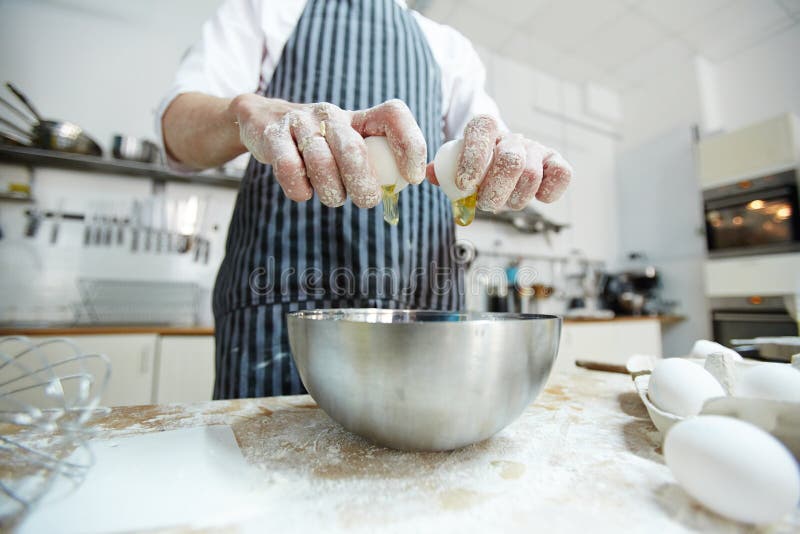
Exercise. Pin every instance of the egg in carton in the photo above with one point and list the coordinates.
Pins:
(715, 380)
(716, 413)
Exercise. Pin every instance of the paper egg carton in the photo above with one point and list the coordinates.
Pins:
(779, 418)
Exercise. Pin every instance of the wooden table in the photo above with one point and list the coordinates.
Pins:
(583, 458)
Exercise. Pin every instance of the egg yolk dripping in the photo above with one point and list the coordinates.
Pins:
(391, 181)
(391, 214)
(464, 209)
(444, 165)
(388, 175)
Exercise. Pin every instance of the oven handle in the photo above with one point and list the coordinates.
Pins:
(744, 198)
(752, 317)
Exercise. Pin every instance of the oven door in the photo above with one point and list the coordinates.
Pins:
(750, 317)
(730, 325)
(757, 217)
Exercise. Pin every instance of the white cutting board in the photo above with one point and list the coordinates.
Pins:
(188, 477)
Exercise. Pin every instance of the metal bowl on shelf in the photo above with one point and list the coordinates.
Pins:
(65, 137)
(129, 148)
(423, 380)
(56, 135)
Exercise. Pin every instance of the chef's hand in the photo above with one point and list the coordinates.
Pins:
(508, 169)
(320, 147)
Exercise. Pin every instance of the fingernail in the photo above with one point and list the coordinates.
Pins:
(486, 205)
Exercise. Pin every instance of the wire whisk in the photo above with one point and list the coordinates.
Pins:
(49, 390)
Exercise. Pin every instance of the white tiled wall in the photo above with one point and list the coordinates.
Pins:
(565, 116)
(662, 217)
(40, 275)
(761, 81)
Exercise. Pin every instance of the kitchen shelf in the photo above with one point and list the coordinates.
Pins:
(665, 320)
(38, 157)
(16, 197)
(205, 330)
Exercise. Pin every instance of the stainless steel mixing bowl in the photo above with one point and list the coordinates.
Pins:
(423, 380)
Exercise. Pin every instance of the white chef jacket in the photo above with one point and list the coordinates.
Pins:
(242, 43)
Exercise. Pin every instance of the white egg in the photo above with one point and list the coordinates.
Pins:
(773, 381)
(733, 468)
(680, 387)
(445, 164)
(384, 166)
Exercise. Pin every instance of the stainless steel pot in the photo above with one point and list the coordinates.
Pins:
(54, 135)
(64, 137)
(135, 149)
(423, 380)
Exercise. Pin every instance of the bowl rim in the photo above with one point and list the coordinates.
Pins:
(347, 315)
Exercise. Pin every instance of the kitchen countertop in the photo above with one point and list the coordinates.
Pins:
(663, 319)
(92, 330)
(583, 457)
(83, 330)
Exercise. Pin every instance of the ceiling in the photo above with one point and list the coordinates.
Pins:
(620, 43)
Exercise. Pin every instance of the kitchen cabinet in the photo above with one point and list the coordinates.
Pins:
(132, 358)
(608, 341)
(184, 369)
(147, 368)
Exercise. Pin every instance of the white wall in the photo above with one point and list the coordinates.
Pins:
(555, 112)
(659, 192)
(102, 65)
(105, 66)
(662, 218)
(666, 101)
(760, 82)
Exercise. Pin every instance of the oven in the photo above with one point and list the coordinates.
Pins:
(758, 216)
(751, 317)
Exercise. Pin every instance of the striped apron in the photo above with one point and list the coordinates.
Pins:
(282, 256)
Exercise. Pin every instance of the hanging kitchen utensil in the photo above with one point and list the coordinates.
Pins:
(98, 229)
(34, 220)
(120, 230)
(158, 215)
(136, 221)
(169, 227)
(108, 229)
(197, 246)
(147, 219)
(58, 135)
(56, 222)
(87, 232)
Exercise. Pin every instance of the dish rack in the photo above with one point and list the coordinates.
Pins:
(138, 302)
